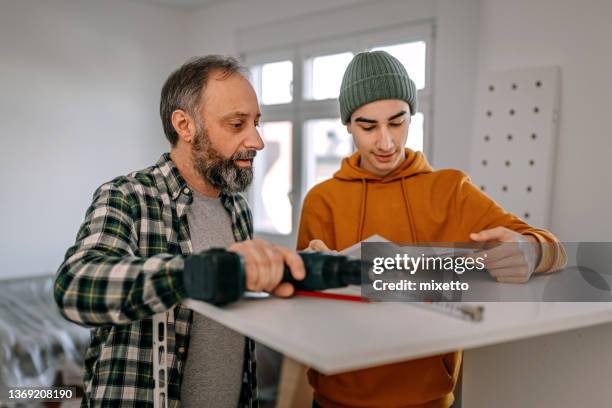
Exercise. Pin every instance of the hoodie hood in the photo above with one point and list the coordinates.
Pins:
(415, 163)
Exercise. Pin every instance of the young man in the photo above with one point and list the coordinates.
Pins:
(139, 251)
(392, 191)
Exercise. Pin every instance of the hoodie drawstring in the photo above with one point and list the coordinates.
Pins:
(362, 213)
(364, 194)
(409, 211)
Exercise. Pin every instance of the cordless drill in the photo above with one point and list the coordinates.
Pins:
(218, 276)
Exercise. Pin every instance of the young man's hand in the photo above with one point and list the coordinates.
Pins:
(265, 263)
(513, 262)
(316, 245)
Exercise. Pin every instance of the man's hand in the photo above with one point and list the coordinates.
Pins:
(512, 262)
(265, 263)
(316, 245)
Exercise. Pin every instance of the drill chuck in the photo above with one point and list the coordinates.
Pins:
(326, 271)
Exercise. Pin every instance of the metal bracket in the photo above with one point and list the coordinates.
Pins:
(160, 357)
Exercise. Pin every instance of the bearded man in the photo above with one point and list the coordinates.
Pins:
(137, 252)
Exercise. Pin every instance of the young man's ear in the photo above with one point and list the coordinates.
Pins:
(184, 125)
(349, 128)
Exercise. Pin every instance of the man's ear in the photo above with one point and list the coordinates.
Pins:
(184, 125)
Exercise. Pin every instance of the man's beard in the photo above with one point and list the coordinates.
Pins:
(221, 173)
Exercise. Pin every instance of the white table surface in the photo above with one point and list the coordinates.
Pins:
(335, 336)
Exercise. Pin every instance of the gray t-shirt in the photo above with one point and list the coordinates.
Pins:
(213, 370)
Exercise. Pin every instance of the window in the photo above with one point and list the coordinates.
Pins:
(323, 75)
(412, 56)
(415, 134)
(327, 143)
(305, 140)
(272, 180)
(273, 82)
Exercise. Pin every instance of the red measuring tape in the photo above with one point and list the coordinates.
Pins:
(336, 296)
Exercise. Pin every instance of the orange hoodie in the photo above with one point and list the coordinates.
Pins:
(411, 204)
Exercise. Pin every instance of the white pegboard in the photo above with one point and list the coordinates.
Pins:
(513, 144)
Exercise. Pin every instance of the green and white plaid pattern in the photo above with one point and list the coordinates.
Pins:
(125, 267)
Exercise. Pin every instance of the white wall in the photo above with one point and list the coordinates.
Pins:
(215, 28)
(80, 85)
(455, 78)
(574, 35)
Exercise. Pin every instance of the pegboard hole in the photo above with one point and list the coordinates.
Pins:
(487, 138)
(536, 110)
(538, 84)
(511, 112)
(514, 87)
(491, 88)
(482, 187)
(534, 136)
(484, 162)
(526, 214)
(509, 137)
(531, 162)
(489, 113)
(529, 189)
(507, 163)
(504, 188)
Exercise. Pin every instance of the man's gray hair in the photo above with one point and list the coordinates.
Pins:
(184, 87)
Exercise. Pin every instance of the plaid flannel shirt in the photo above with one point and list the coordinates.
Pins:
(125, 267)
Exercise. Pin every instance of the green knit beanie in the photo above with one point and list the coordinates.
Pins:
(372, 76)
